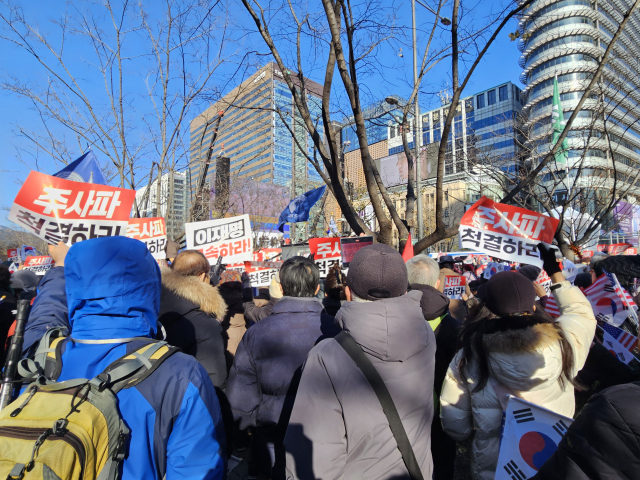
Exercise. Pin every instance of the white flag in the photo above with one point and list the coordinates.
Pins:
(531, 435)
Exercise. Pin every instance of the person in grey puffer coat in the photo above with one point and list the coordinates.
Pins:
(337, 427)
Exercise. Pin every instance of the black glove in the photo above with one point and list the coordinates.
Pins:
(548, 256)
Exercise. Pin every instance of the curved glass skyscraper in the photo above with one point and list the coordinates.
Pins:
(565, 40)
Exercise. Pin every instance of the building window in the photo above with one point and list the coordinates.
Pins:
(504, 95)
(393, 131)
(480, 100)
(491, 97)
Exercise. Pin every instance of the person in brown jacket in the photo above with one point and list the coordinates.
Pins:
(233, 324)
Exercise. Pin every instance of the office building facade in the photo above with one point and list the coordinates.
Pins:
(566, 40)
(255, 137)
(174, 201)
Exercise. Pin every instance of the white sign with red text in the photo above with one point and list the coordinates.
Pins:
(59, 210)
(229, 238)
(507, 232)
(454, 286)
(326, 253)
(152, 232)
(39, 265)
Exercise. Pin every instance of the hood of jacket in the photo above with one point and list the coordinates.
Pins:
(113, 289)
(524, 358)
(198, 295)
(434, 303)
(392, 329)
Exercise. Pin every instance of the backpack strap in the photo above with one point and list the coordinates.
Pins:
(384, 397)
(132, 368)
(47, 359)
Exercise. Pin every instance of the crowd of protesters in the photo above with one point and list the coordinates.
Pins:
(271, 372)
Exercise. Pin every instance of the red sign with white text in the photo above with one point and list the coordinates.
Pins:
(152, 232)
(39, 265)
(618, 248)
(326, 253)
(507, 232)
(13, 255)
(59, 210)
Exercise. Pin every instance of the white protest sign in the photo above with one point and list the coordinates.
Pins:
(507, 232)
(454, 286)
(152, 232)
(229, 238)
(531, 435)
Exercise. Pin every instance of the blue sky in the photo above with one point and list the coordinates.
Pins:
(392, 75)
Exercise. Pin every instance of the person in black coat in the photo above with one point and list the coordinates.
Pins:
(266, 370)
(423, 273)
(191, 311)
(7, 306)
(602, 443)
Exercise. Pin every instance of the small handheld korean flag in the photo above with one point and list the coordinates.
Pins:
(531, 435)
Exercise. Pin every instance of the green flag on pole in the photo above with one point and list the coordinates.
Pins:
(557, 119)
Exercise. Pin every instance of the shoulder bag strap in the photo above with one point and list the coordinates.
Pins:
(384, 397)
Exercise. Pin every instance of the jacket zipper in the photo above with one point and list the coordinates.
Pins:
(26, 433)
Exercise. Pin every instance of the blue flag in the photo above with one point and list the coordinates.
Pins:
(85, 169)
(298, 208)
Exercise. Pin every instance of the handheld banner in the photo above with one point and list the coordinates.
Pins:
(229, 238)
(39, 265)
(59, 210)
(507, 232)
(13, 255)
(326, 253)
(152, 232)
(454, 286)
(262, 268)
(531, 435)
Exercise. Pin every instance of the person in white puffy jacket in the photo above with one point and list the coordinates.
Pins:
(510, 348)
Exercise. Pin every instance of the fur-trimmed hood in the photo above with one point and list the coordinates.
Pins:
(202, 295)
(526, 357)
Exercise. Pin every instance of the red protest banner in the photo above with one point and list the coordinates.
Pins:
(152, 232)
(326, 253)
(39, 265)
(59, 210)
(504, 231)
(618, 248)
(13, 255)
(587, 253)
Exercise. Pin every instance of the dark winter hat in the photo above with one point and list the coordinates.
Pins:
(530, 271)
(24, 280)
(172, 249)
(376, 272)
(508, 293)
(446, 259)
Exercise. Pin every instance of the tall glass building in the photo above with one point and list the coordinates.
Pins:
(254, 136)
(483, 131)
(566, 39)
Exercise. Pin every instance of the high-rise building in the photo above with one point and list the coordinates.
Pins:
(566, 40)
(174, 201)
(482, 132)
(263, 145)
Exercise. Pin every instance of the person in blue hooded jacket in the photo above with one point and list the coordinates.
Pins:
(113, 295)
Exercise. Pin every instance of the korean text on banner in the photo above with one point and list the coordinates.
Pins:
(13, 255)
(507, 232)
(39, 265)
(229, 238)
(454, 286)
(326, 252)
(531, 435)
(152, 232)
(59, 210)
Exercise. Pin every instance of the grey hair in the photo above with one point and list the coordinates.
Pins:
(423, 269)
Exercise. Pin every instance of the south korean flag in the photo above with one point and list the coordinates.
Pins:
(531, 435)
